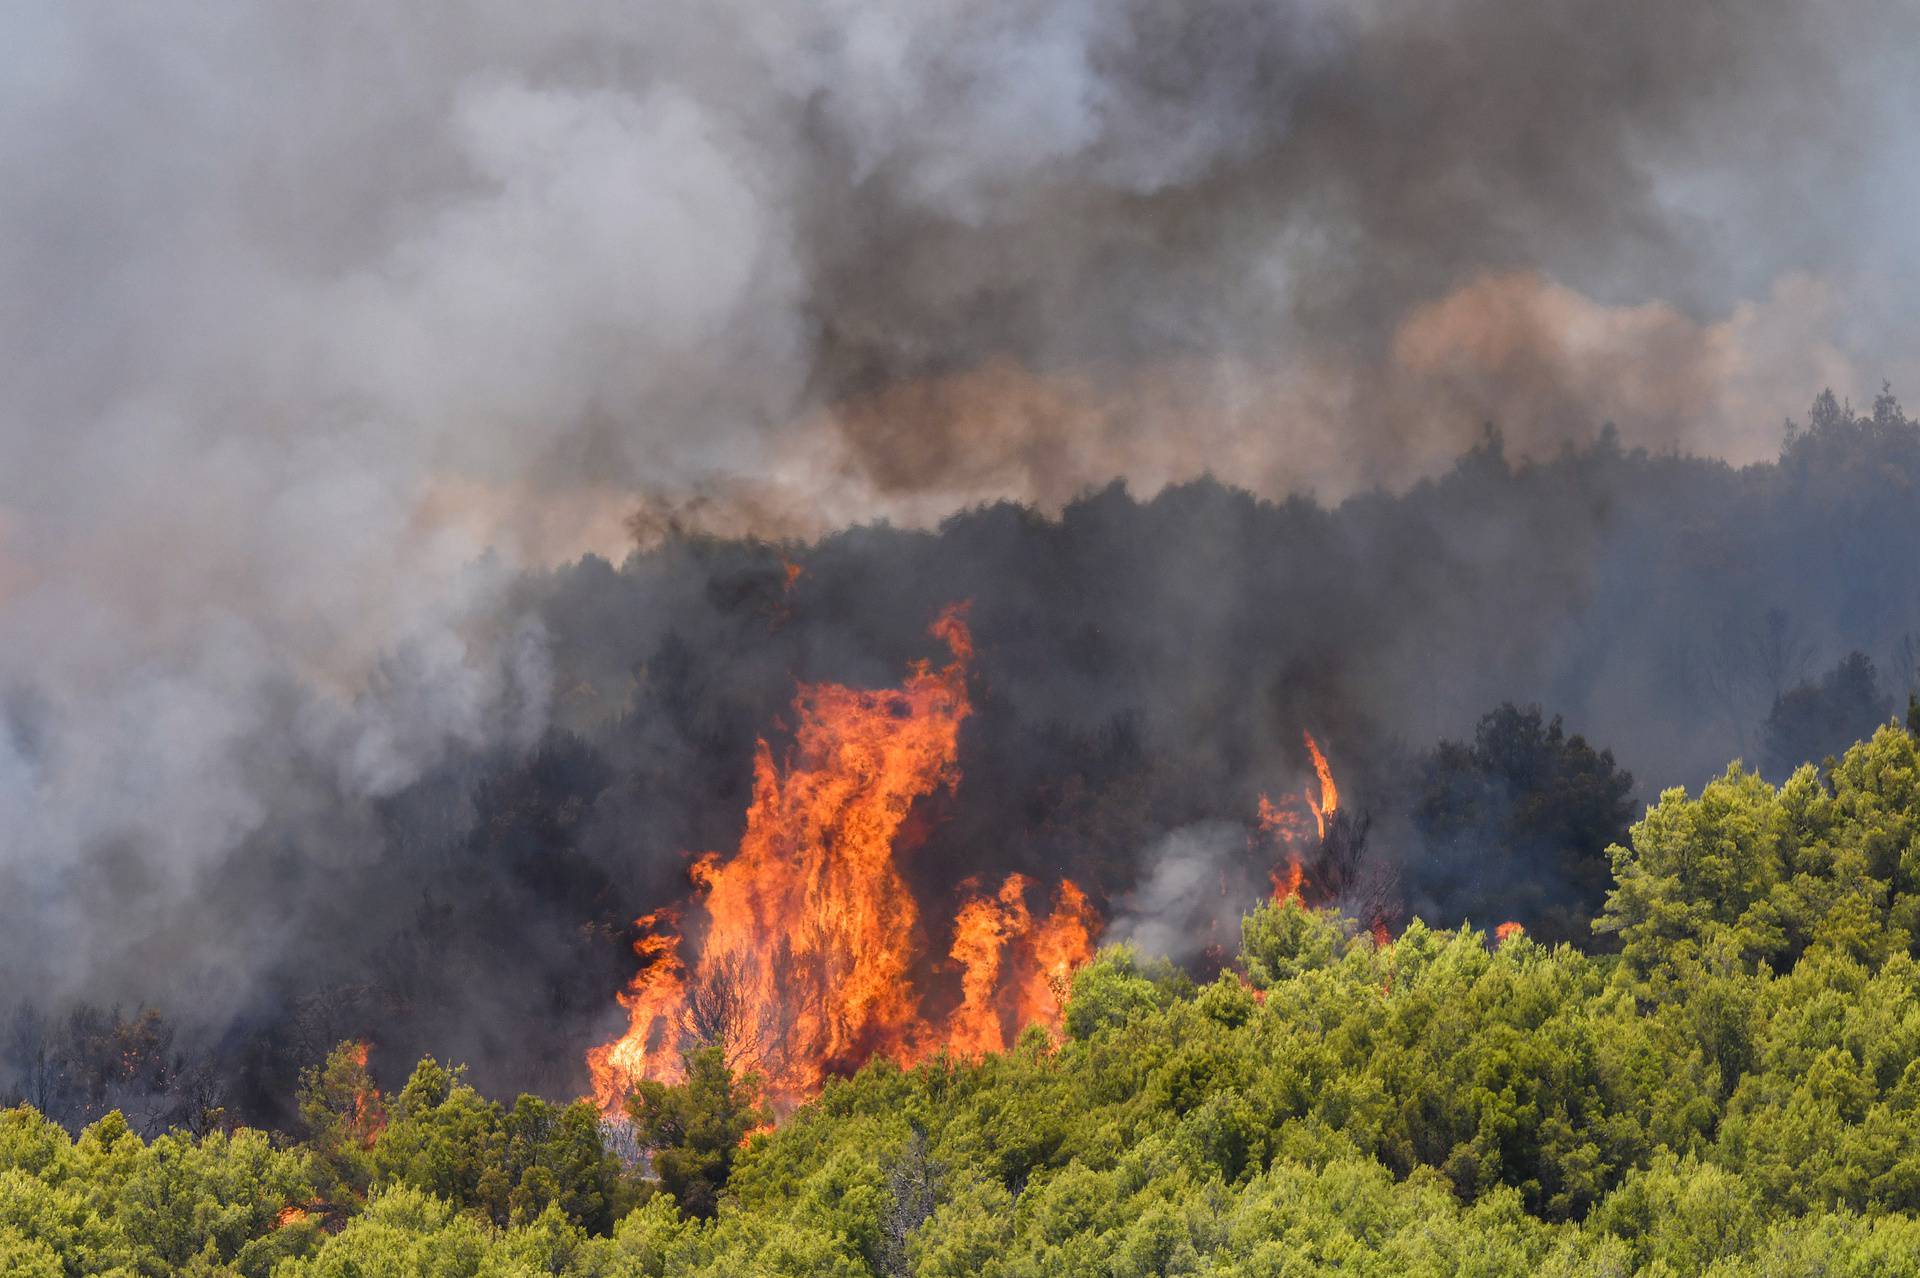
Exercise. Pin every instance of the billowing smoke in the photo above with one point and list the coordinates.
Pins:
(1198, 881)
(325, 325)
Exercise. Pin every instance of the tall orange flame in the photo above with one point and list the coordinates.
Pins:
(1284, 822)
(1015, 972)
(369, 1116)
(981, 932)
(653, 1000)
(1329, 792)
(807, 959)
(1059, 947)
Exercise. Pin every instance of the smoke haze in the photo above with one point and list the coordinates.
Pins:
(328, 330)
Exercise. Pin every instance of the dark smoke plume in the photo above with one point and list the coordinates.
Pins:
(334, 336)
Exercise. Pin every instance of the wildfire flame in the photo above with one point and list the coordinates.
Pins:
(369, 1116)
(1287, 885)
(653, 1000)
(1329, 792)
(1507, 931)
(1285, 822)
(809, 951)
(1014, 971)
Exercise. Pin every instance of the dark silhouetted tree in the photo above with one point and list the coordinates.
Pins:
(1824, 717)
(1516, 825)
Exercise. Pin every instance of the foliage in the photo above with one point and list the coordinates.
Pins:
(343, 1114)
(1662, 602)
(1815, 720)
(693, 1129)
(510, 1165)
(1516, 824)
(1735, 1092)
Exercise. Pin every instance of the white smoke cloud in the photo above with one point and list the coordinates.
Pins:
(1200, 880)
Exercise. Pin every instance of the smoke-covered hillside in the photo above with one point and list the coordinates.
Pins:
(1144, 672)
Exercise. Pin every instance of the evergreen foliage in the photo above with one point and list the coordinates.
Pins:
(1735, 1092)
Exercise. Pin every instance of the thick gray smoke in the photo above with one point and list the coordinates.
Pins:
(323, 321)
(1200, 881)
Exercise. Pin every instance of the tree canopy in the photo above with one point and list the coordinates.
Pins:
(1517, 822)
(1735, 1092)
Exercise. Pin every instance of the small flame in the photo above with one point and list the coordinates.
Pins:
(291, 1215)
(1286, 823)
(1287, 886)
(369, 1117)
(1507, 931)
(1060, 946)
(981, 932)
(653, 1001)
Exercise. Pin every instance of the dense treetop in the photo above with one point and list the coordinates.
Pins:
(1735, 1092)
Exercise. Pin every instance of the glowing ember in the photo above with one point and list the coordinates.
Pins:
(1282, 820)
(809, 946)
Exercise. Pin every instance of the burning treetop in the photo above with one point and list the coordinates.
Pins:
(810, 955)
(809, 949)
